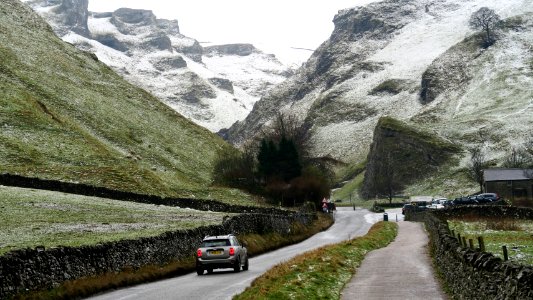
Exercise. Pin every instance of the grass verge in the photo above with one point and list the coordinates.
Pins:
(89, 286)
(258, 244)
(321, 273)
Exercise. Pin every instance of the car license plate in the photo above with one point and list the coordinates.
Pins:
(216, 252)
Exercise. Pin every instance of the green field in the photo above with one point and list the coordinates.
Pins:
(34, 217)
(517, 235)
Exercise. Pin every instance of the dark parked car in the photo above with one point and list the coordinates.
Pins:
(487, 197)
(218, 252)
(465, 201)
(406, 207)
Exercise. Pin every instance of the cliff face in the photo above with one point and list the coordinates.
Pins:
(410, 60)
(67, 15)
(399, 155)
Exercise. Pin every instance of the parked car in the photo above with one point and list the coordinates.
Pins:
(465, 201)
(439, 201)
(487, 197)
(436, 206)
(217, 252)
(415, 207)
(406, 207)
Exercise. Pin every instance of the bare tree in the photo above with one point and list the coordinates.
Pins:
(389, 176)
(385, 176)
(485, 19)
(529, 145)
(518, 158)
(290, 127)
(476, 166)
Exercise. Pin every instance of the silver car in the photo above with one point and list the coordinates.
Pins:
(223, 251)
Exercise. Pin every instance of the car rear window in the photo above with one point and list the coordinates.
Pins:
(216, 243)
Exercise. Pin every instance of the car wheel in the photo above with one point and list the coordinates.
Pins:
(237, 267)
(245, 267)
(199, 271)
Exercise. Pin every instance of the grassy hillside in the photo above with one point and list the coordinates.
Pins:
(484, 96)
(66, 116)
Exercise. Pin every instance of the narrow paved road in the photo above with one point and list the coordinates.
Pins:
(402, 270)
(223, 284)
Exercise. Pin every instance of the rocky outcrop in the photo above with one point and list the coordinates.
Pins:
(112, 42)
(231, 49)
(170, 27)
(70, 15)
(158, 42)
(222, 83)
(190, 48)
(399, 155)
(196, 90)
(124, 18)
(169, 63)
(76, 15)
(391, 87)
(452, 70)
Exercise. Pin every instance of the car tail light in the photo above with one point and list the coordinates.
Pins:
(231, 251)
(199, 252)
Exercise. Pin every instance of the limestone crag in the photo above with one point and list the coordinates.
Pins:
(68, 15)
(153, 54)
(399, 155)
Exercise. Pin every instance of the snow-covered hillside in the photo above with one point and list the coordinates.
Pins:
(373, 64)
(214, 89)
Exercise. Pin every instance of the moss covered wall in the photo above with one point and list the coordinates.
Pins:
(470, 273)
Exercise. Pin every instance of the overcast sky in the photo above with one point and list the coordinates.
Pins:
(271, 25)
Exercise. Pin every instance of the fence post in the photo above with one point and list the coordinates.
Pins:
(463, 240)
(471, 243)
(481, 243)
(505, 254)
(459, 239)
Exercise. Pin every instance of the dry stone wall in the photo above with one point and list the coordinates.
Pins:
(103, 192)
(472, 274)
(37, 269)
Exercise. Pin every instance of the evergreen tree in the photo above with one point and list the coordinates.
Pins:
(264, 158)
(288, 160)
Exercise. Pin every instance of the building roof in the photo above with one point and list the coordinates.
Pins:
(507, 174)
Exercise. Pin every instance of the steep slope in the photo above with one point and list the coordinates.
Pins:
(66, 116)
(400, 155)
(373, 65)
(153, 54)
(479, 96)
